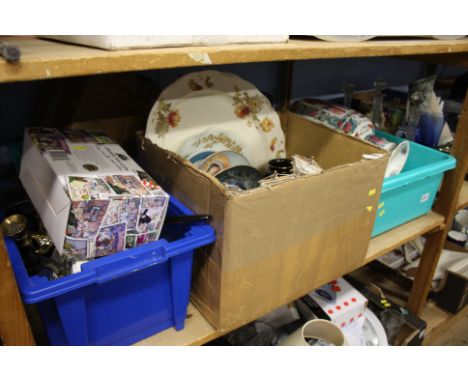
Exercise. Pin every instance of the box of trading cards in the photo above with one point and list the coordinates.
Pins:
(93, 199)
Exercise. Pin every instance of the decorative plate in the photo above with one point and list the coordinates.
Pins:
(197, 157)
(221, 161)
(211, 99)
(215, 140)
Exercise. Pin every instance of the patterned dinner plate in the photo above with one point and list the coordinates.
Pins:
(221, 161)
(214, 140)
(211, 100)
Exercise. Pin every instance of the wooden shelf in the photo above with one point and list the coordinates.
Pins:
(199, 331)
(43, 59)
(463, 198)
(390, 240)
(444, 328)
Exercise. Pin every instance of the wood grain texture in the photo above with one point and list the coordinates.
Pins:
(444, 328)
(463, 197)
(197, 331)
(42, 59)
(390, 240)
(446, 205)
(455, 59)
(14, 325)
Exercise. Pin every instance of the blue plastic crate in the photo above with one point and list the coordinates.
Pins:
(411, 193)
(122, 298)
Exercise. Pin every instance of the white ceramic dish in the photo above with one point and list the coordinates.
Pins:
(215, 140)
(221, 161)
(197, 157)
(214, 100)
(398, 159)
(373, 331)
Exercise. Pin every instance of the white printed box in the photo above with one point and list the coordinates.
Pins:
(340, 302)
(93, 199)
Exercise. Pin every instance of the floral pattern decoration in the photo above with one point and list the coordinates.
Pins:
(273, 144)
(247, 106)
(210, 140)
(167, 117)
(267, 124)
(195, 86)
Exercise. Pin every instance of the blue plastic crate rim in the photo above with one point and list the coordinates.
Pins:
(446, 162)
(35, 289)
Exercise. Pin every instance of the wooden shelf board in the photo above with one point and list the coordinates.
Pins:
(390, 240)
(198, 330)
(43, 59)
(444, 328)
(463, 198)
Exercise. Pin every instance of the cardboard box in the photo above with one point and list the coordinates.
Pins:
(275, 245)
(93, 198)
(338, 301)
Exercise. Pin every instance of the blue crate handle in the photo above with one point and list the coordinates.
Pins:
(110, 269)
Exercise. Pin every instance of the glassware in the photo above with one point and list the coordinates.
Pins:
(392, 321)
(377, 106)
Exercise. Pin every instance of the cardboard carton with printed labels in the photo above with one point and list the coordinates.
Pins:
(93, 199)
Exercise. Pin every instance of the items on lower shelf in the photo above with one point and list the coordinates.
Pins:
(450, 281)
(364, 318)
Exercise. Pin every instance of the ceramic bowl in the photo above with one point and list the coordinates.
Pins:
(243, 177)
(221, 161)
(398, 159)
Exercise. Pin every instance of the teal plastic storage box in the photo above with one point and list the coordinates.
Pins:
(411, 193)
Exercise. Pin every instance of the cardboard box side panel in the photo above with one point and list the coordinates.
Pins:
(45, 191)
(260, 287)
(53, 222)
(266, 223)
(197, 192)
(329, 149)
(206, 283)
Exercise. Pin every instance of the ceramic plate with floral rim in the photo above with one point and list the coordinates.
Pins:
(199, 101)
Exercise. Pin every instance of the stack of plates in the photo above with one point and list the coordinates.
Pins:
(208, 112)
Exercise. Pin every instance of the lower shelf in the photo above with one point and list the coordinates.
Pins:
(444, 328)
(198, 331)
